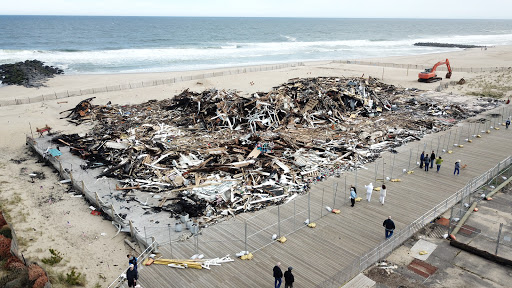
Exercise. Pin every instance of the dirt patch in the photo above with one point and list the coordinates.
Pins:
(391, 278)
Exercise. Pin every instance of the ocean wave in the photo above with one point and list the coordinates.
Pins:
(236, 53)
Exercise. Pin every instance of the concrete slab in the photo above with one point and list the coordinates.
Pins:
(360, 281)
(484, 268)
(422, 245)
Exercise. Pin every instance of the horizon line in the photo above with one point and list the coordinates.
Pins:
(288, 17)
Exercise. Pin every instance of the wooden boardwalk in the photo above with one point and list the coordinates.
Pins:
(319, 254)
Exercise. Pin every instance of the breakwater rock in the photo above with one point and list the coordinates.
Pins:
(31, 73)
(449, 45)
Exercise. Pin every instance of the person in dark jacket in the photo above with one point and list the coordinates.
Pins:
(288, 278)
(422, 159)
(390, 226)
(278, 274)
(457, 167)
(432, 159)
(132, 276)
(132, 260)
(427, 161)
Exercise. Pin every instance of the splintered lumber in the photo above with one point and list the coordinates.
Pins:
(232, 153)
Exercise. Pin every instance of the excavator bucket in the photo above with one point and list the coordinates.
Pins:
(448, 75)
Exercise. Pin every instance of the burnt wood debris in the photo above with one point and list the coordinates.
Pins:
(215, 153)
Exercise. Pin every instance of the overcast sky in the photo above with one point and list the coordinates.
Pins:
(452, 9)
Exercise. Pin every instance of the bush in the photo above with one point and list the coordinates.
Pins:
(6, 231)
(75, 278)
(54, 259)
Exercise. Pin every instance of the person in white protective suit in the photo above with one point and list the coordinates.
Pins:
(369, 190)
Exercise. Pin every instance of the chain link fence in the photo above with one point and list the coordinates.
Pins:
(142, 84)
(387, 246)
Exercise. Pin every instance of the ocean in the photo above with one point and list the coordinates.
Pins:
(92, 45)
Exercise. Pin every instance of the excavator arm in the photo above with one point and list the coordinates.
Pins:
(429, 75)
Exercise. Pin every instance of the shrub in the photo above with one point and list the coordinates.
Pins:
(6, 231)
(75, 278)
(55, 258)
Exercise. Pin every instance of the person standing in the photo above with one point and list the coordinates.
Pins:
(427, 161)
(438, 163)
(288, 278)
(457, 167)
(432, 159)
(132, 260)
(369, 190)
(422, 159)
(353, 195)
(507, 123)
(132, 276)
(278, 274)
(382, 194)
(389, 225)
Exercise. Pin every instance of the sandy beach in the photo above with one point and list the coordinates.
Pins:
(45, 216)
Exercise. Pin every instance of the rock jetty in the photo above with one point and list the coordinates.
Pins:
(31, 73)
(448, 45)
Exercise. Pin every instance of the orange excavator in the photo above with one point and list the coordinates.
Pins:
(429, 75)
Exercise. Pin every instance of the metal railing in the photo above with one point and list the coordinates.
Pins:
(119, 282)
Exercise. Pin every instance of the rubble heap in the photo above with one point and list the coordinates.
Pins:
(216, 152)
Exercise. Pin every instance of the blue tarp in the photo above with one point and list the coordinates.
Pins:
(55, 152)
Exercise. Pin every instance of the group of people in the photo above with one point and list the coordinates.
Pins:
(426, 160)
(369, 191)
(278, 275)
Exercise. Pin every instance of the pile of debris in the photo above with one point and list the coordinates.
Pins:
(216, 152)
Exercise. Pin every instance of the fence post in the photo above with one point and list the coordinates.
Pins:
(170, 238)
(438, 142)
(83, 187)
(498, 240)
(112, 211)
(392, 167)
(294, 215)
(345, 189)
(309, 206)
(449, 137)
(97, 200)
(322, 206)
(145, 236)
(132, 230)
(197, 242)
(356, 177)
(383, 171)
(60, 169)
(408, 166)
(375, 174)
(245, 228)
(334, 189)
(279, 220)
